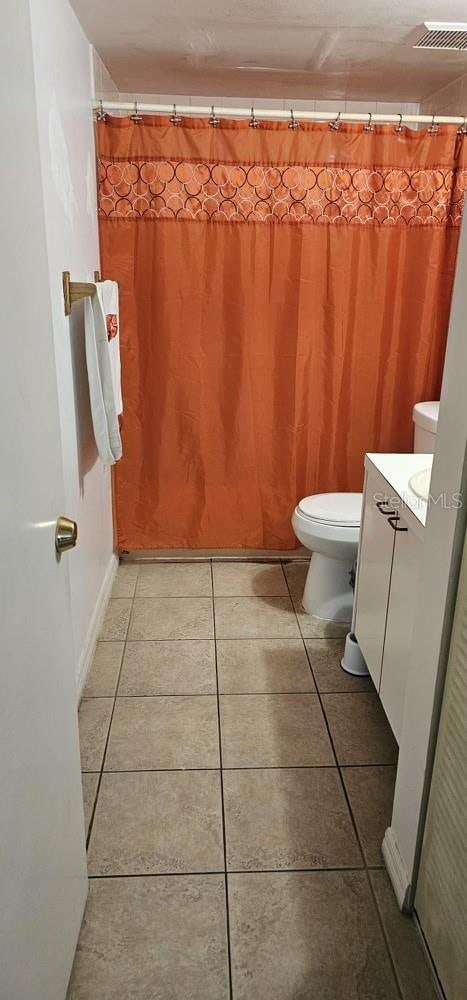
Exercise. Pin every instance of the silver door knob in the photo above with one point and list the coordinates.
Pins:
(66, 534)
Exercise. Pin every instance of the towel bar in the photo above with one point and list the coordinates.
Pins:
(75, 290)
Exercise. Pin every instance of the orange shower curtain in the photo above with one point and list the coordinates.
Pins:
(284, 301)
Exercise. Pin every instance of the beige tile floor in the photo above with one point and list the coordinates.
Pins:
(237, 786)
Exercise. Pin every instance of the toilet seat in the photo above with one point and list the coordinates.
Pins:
(342, 510)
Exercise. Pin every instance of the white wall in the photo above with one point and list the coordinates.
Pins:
(451, 100)
(329, 107)
(106, 89)
(63, 78)
(102, 83)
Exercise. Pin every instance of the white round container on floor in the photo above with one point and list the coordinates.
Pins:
(353, 661)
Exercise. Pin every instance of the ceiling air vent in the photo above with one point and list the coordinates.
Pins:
(443, 35)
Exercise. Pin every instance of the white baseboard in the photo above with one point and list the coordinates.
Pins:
(396, 868)
(87, 652)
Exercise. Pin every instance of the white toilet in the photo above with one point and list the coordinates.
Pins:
(329, 525)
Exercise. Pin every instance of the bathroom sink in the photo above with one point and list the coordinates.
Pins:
(420, 483)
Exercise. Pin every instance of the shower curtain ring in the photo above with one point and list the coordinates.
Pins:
(336, 123)
(214, 121)
(462, 130)
(400, 126)
(135, 117)
(101, 115)
(433, 127)
(293, 123)
(175, 119)
(369, 127)
(254, 123)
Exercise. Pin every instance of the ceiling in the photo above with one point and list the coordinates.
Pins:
(329, 49)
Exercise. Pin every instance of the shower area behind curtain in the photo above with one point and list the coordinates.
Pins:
(284, 301)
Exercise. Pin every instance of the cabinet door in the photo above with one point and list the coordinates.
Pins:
(399, 625)
(374, 574)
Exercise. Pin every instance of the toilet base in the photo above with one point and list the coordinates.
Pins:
(328, 593)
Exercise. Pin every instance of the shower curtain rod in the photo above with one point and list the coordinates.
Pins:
(264, 114)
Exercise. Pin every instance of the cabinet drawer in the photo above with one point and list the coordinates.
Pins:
(374, 575)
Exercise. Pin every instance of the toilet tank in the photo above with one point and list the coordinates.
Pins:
(425, 418)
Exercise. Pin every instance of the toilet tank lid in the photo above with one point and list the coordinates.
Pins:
(426, 415)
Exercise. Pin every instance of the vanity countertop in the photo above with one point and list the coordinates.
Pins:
(397, 470)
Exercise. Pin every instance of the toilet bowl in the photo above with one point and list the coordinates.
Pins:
(329, 525)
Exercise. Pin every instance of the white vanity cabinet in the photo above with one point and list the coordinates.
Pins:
(386, 589)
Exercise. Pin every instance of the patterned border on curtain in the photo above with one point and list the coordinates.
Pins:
(225, 192)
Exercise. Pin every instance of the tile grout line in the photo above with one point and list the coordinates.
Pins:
(228, 694)
(231, 638)
(352, 817)
(234, 871)
(207, 597)
(245, 767)
(244, 638)
(101, 769)
(383, 931)
(224, 838)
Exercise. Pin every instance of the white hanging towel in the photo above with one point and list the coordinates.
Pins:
(107, 292)
(103, 364)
